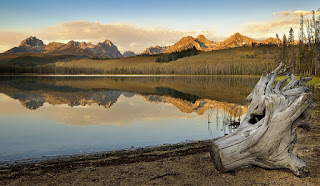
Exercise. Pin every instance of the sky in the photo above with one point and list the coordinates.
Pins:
(137, 24)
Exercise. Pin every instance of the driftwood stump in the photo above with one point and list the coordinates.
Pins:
(266, 135)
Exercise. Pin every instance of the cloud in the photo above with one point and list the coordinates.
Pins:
(10, 39)
(125, 36)
(275, 25)
(301, 12)
(283, 13)
(294, 13)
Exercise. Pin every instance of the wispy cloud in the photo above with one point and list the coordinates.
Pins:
(282, 13)
(275, 25)
(10, 39)
(294, 13)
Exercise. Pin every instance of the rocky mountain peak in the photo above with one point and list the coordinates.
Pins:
(271, 41)
(204, 42)
(83, 45)
(90, 45)
(32, 42)
(202, 38)
(154, 50)
(108, 42)
(237, 35)
(53, 46)
(106, 49)
(187, 38)
(72, 44)
(237, 40)
(186, 43)
(128, 54)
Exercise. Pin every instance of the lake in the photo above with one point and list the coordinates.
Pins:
(47, 116)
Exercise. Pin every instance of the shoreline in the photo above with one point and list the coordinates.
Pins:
(125, 75)
(175, 147)
(314, 82)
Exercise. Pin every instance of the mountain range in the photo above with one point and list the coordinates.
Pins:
(35, 45)
(107, 49)
(204, 44)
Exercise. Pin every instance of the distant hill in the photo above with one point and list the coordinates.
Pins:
(128, 54)
(35, 58)
(204, 44)
(35, 45)
(271, 41)
(154, 50)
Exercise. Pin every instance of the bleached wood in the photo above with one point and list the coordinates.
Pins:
(266, 134)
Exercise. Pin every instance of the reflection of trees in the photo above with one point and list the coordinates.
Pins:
(165, 91)
(227, 121)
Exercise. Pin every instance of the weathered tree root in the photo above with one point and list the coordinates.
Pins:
(266, 135)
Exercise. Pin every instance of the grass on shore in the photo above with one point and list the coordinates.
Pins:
(313, 82)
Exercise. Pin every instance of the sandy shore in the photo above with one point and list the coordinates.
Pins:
(179, 164)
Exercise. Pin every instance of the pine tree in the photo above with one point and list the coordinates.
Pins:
(278, 39)
(292, 56)
(284, 49)
(291, 36)
(301, 36)
(278, 54)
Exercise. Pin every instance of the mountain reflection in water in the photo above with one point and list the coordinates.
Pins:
(34, 92)
(43, 115)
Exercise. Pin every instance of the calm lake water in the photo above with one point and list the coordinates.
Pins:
(49, 116)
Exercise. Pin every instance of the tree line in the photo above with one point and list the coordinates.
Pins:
(191, 69)
(165, 58)
(47, 69)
